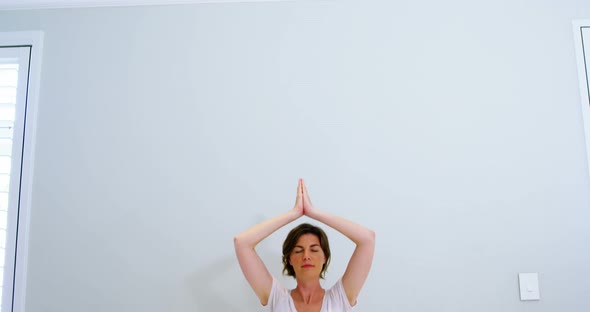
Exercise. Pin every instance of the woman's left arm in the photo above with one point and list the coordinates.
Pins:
(360, 262)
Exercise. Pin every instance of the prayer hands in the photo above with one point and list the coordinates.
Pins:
(298, 208)
(303, 205)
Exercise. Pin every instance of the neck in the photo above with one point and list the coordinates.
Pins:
(309, 290)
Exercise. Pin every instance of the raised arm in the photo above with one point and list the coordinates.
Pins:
(360, 262)
(252, 266)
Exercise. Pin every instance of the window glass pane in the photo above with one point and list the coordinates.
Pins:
(3, 197)
(4, 181)
(4, 165)
(6, 112)
(8, 92)
(3, 220)
(9, 75)
(5, 145)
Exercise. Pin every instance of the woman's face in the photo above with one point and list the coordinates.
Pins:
(307, 258)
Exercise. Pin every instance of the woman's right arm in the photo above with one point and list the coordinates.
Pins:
(252, 266)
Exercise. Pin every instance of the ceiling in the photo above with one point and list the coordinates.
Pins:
(50, 4)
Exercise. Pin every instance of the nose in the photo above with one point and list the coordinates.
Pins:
(306, 255)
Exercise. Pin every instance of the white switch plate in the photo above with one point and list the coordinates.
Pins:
(529, 286)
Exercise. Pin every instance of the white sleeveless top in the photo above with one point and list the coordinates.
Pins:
(280, 300)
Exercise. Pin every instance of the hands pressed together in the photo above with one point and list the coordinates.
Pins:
(303, 204)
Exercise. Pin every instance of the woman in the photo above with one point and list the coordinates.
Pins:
(306, 255)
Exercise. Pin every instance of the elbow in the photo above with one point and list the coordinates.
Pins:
(242, 242)
(237, 239)
(366, 239)
(370, 237)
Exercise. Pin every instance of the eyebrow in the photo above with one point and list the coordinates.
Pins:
(311, 246)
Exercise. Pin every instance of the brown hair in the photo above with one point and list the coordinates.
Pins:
(291, 241)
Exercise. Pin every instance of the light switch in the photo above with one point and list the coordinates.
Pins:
(529, 286)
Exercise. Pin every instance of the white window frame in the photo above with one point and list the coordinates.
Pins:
(582, 42)
(34, 39)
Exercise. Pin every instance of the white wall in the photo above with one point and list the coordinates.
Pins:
(453, 129)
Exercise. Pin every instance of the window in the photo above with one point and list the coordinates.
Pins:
(582, 40)
(8, 81)
(19, 72)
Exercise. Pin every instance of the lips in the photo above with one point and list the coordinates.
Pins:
(307, 266)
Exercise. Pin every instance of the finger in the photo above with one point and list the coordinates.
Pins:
(299, 200)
